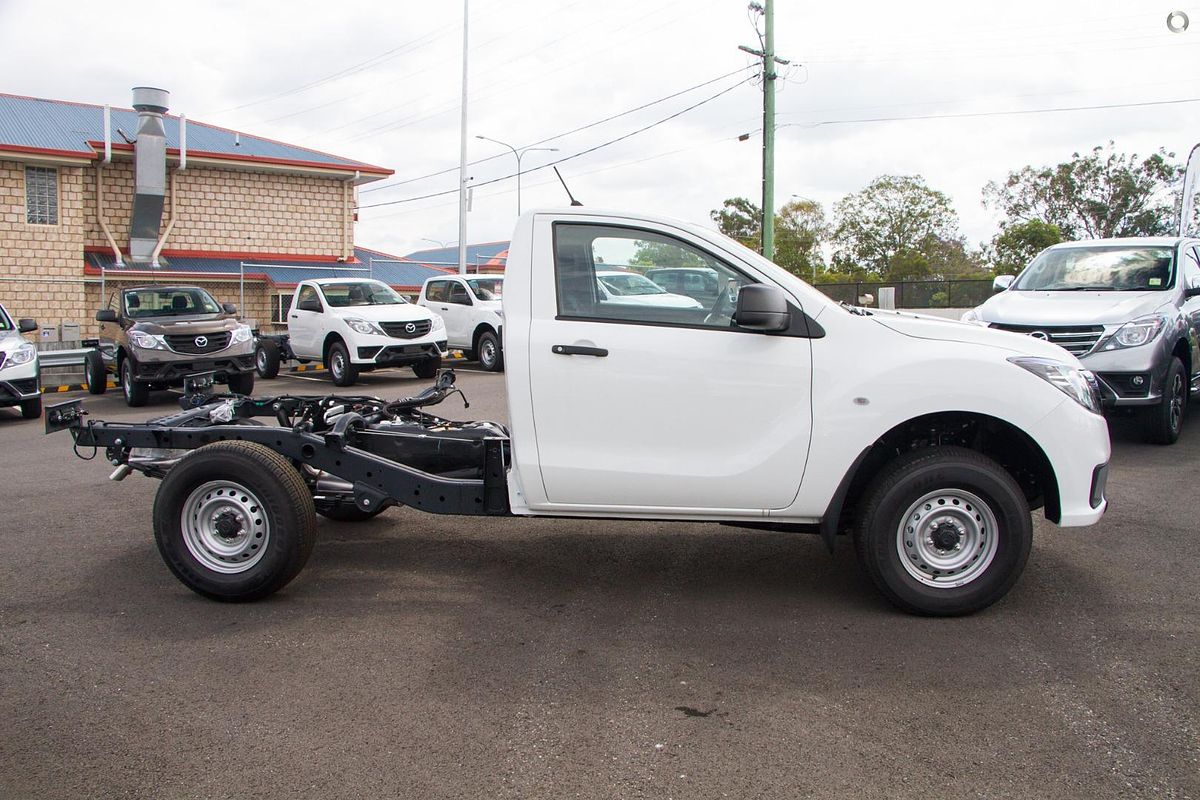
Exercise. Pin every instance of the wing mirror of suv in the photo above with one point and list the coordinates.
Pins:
(1192, 290)
(1002, 282)
(229, 308)
(106, 315)
(309, 304)
(26, 325)
(762, 308)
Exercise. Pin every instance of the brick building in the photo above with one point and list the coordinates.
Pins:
(163, 200)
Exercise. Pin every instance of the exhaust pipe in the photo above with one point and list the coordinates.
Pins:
(149, 172)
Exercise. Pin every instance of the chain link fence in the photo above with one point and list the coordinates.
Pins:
(914, 294)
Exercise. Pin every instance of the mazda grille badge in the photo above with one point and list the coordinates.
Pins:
(201, 341)
(1045, 337)
(410, 328)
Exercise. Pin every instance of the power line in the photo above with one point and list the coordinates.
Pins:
(580, 154)
(564, 133)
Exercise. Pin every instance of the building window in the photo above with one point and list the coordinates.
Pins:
(280, 308)
(41, 195)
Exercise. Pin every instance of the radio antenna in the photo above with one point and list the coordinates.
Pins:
(574, 202)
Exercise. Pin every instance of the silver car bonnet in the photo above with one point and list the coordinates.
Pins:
(947, 330)
(1070, 308)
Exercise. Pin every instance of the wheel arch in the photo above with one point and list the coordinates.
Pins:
(1183, 352)
(480, 330)
(991, 436)
(330, 338)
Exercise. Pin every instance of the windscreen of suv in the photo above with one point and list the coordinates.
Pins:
(1105, 269)
(630, 284)
(487, 288)
(360, 293)
(5, 322)
(167, 302)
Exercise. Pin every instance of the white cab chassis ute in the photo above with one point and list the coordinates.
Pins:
(927, 441)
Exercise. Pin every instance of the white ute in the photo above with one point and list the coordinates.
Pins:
(19, 367)
(471, 306)
(928, 441)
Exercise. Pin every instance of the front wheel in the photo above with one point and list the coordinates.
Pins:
(94, 372)
(943, 532)
(343, 372)
(136, 394)
(234, 521)
(427, 368)
(1164, 422)
(490, 356)
(31, 409)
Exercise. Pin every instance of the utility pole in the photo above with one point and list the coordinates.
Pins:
(769, 75)
(462, 157)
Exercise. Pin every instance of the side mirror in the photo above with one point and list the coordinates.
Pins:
(762, 308)
(27, 325)
(1002, 282)
(106, 315)
(229, 308)
(309, 304)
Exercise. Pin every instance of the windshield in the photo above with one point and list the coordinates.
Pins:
(630, 284)
(169, 301)
(487, 288)
(5, 322)
(1100, 268)
(360, 293)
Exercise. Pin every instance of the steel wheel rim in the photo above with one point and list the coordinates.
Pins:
(1176, 408)
(487, 352)
(947, 538)
(225, 527)
(127, 379)
(337, 364)
(261, 360)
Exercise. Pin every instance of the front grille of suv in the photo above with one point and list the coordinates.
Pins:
(1078, 340)
(198, 344)
(399, 330)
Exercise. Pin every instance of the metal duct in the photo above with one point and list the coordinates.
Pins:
(149, 173)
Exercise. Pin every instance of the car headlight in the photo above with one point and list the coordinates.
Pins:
(242, 333)
(147, 341)
(499, 312)
(972, 316)
(363, 326)
(22, 355)
(1078, 384)
(1136, 332)
(437, 323)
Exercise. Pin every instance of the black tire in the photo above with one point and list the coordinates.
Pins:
(427, 368)
(94, 373)
(242, 383)
(267, 503)
(343, 372)
(31, 409)
(348, 512)
(266, 360)
(491, 357)
(1164, 422)
(978, 529)
(136, 394)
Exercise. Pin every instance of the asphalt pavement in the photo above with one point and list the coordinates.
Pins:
(427, 657)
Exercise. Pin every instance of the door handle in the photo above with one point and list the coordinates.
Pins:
(576, 350)
(295, 316)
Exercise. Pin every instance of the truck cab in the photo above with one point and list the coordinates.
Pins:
(472, 307)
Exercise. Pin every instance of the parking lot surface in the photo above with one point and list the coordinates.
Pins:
(424, 656)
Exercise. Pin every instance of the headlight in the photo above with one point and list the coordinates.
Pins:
(1078, 384)
(147, 341)
(22, 355)
(363, 326)
(972, 316)
(500, 313)
(1136, 333)
(241, 334)
(437, 323)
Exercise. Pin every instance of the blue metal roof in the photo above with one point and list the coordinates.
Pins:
(477, 255)
(381, 266)
(30, 122)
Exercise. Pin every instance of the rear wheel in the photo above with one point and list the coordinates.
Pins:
(341, 370)
(242, 383)
(94, 373)
(488, 350)
(234, 521)
(31, 409)
(427, 368)
(943, 532)
(266, 360)
(1164, 422)
(136, 394)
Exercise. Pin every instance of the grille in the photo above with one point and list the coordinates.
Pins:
(186, 343)
(1078, 340)
(398, 330)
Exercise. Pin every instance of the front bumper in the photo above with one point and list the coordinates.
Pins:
(1132, 376)
(1077, 445)
(19, 383)
(176, 370)
(392, 353)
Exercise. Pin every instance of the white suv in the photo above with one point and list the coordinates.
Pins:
(471, 307)
(19, 385)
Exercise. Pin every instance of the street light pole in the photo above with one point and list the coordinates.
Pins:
(462, 154)
(518, 154)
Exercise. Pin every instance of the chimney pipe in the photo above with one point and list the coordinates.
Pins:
(150, 173)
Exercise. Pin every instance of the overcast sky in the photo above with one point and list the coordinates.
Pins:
(380, 82)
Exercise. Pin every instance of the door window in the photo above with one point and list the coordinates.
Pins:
(458, 294)
(1191, 269)
(600, 274)
(307, 299)
(436, 291)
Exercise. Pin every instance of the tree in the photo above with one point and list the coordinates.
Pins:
(661, 254)
(1097, 196)
(800, 228)
(1017, 244)
(897, 228)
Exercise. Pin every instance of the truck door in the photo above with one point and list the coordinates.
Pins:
(457, 314)
(644, 406)
(306, 321)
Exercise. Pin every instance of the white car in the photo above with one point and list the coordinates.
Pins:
(356, 325)
(619, 286)
(19, 378)
(470, 305)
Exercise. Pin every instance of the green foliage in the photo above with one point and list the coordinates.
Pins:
(1101, 195)
(800, 228)
(1018, 243)
(660, 254)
